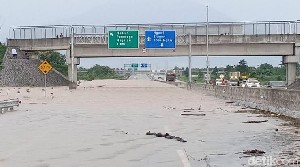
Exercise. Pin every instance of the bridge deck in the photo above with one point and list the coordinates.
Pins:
(96, 45)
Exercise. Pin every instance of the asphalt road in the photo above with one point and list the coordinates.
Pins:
(103, 123)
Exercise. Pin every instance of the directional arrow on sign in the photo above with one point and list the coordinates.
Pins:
(149, 39)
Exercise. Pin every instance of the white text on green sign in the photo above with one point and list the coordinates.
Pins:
(128, 39)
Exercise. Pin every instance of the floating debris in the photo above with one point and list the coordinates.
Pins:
(193, 114)
(254, 152)
(256, 121)
(188, 109)
(295, 162)
(229, 102)
(169, 107)
(199, 108)
(166, 135)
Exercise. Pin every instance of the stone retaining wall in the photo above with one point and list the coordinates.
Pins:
(23, 72)
(280, 101)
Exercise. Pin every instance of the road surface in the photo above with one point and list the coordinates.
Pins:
(103, 123)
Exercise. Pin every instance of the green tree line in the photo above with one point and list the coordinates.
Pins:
(97, 72)
(264, 72)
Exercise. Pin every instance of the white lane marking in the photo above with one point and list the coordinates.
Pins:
(183, 158)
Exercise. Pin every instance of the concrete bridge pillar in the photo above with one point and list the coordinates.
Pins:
(291, 70)
(70, 72)
(291, 65)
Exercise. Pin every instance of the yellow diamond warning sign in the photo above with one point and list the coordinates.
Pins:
(45, 67)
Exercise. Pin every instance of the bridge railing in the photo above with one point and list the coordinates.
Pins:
(214, 28)
(183, 39)
(6, 105)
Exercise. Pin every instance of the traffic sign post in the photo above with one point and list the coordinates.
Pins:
(128, 39)
(160, 39)
(45, 68)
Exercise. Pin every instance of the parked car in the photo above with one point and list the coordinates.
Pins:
(276, 84)
(252, 83)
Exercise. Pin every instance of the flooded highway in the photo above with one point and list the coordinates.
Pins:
(104, 123)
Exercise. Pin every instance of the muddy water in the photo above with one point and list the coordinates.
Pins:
(103, 123)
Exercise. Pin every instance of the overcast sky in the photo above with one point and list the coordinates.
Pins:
(101, 12)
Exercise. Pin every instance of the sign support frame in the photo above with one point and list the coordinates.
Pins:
(45, 84)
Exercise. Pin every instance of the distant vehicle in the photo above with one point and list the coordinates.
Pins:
(252, 83)
(218, 81)
(170, 76)
(276, 84)
(243, 83)
(234, 82)
(234, 75)
(221, 82)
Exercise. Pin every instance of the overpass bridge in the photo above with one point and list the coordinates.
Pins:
(266, 38)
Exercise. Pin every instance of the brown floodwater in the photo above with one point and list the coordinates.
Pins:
(103, 123)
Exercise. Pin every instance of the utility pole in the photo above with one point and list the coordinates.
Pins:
(207, 62)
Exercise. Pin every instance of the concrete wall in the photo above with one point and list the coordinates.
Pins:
(285, 102)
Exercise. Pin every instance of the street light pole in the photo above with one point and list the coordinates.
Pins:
(207, 62)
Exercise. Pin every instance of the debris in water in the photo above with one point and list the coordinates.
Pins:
(188, 109)
(166, 135)
(254, 152)
(256, 121)
(192, 114)
(169, 108)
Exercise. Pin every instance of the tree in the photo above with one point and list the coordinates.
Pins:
(186, 72)
(57, 60)
(214, 73)
(176, 68)
(242, 66)
(2, 52)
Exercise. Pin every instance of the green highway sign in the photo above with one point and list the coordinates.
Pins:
(126, 39)
(135, 65)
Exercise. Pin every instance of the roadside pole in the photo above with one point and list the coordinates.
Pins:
(190, 61)
(72, 54)
(45, 68)
(45, 84)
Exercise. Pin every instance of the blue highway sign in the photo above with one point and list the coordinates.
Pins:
(155, 39)
(144, 65)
